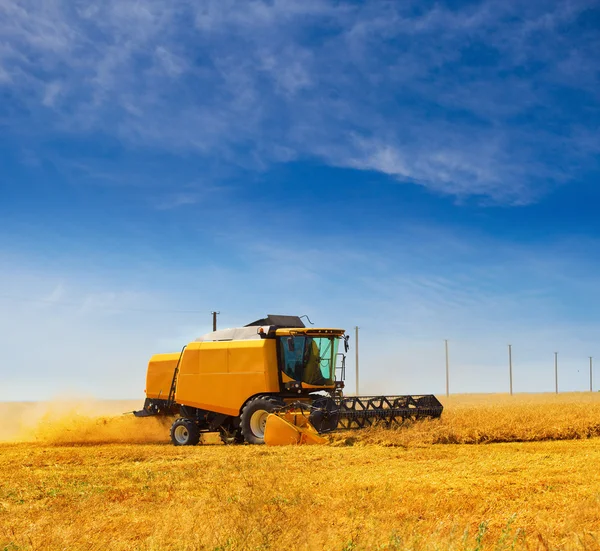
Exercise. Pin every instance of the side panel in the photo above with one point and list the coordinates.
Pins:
(160, 375)
(221, 376)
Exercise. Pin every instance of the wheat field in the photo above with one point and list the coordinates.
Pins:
(495, 472)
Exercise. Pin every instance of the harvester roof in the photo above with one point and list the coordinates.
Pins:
(271, 325)
(233, 334)
(279, 321)
(310, 331)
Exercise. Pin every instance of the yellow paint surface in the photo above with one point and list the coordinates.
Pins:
(221, 376)
(160, 375)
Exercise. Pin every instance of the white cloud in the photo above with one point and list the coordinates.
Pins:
(93, 334)
(56, 294)
(172, 64)
(449, 98)
(51, 93)
(4, 76)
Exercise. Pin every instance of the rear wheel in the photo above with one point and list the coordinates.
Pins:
(253, 418)
(184, 432)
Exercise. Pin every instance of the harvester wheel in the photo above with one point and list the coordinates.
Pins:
(254, 418)
(184, 432)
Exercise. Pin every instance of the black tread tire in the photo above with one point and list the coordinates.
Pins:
(265, 403)
(184, 432)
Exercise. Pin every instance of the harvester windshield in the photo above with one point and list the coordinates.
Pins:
(310, 360)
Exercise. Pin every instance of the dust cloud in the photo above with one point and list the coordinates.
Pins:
(69, 421)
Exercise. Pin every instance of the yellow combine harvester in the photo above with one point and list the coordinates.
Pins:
(233, 379)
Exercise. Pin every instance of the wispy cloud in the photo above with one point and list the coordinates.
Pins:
(465, 101)
(192, 193)
(413, 290)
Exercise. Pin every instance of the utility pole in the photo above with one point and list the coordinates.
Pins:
(591, 374)
(447, 370)
(556, 371)
(214, 315)
(356, 352)
(510, 366)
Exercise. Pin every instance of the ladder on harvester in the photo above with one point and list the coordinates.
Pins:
(158, 406)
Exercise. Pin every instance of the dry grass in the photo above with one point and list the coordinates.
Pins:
(480, 419)
(77, 486)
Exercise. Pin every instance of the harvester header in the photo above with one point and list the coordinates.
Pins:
(235, 380)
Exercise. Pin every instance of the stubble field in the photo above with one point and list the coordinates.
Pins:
(496, 472)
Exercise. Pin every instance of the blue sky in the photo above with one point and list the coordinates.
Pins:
(426, 171)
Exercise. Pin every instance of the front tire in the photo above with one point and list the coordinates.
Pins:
(253, 418)
(184, 432)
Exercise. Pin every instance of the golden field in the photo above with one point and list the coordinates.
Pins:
(75, 476)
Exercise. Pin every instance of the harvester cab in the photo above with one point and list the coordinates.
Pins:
(307, 359)
(235, 380)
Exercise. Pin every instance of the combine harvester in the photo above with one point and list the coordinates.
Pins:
(273, 381)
